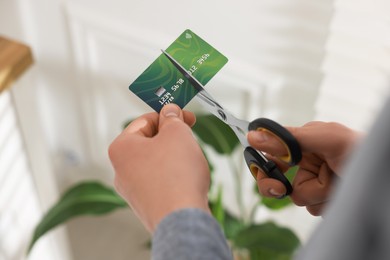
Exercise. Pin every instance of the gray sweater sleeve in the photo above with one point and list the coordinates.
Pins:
(189, 234)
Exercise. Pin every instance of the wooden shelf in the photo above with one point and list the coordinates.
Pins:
(15, 58)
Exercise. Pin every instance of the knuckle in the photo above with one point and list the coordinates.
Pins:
(306, 196)
(300, 197)
(315, 210)
(112, 150)
(298, 200)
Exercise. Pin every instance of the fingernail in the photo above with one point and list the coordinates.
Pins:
(171, 110)
(275, 193)
(260, 136)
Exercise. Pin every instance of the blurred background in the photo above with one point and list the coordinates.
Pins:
(291, 61)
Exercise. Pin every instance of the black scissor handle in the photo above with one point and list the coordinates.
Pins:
(294, 154)
(255, 161)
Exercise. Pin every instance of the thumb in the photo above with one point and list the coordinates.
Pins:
(266, 142)
(169, 114)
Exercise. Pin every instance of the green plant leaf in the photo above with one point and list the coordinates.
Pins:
(232, 226)
(264, 253)
(87, 198)
(217, 208)
(268, 240)
(290, 174)
(276, 204)
(215, 133)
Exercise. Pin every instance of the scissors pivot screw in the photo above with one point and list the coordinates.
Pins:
(222, 114)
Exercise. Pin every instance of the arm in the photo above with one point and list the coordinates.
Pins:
(162, 173)
(159, 167)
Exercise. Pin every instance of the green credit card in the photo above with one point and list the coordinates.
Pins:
(161, 83)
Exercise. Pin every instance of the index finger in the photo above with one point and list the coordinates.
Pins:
(270, 187)
(145, 126)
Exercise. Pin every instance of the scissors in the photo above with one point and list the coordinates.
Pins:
(254, 159)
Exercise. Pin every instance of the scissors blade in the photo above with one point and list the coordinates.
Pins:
(240, 127)
(194, 82)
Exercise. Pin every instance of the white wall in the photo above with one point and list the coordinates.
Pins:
(357, 65)
(290, 48)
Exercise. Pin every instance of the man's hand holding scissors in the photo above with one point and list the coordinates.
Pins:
(325, 147)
